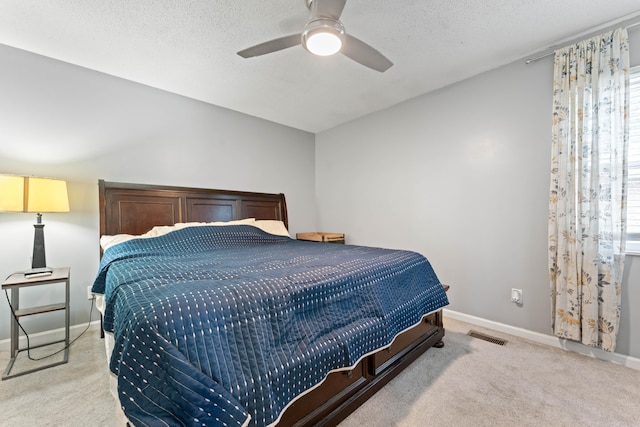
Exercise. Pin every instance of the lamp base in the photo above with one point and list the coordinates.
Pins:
(36, 272)
(39, 259)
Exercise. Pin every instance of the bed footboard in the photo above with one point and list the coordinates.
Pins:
(343, 392)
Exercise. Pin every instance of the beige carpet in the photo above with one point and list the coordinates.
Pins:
(469, 382)
(73, 394)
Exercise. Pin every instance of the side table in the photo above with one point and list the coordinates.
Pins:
(319, 236)
(14, 283)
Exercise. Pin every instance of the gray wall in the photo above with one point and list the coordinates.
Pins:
(64, 121)
(461, 175)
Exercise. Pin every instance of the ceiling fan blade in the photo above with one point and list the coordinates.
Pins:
(271, 46)
(364, 54)
(328, 8)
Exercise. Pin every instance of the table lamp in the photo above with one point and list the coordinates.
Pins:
(36, 195)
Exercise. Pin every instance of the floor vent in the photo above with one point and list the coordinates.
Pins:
(488, 338)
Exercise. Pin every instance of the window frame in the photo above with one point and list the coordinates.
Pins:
(633, 238)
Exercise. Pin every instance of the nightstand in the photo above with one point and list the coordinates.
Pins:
(322, 237)
(14, 283)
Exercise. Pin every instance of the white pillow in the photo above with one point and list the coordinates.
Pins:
(246, 221)
(107, 241)
(160, 230)
(272, 226)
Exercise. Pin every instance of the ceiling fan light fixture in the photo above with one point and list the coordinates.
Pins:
(323, 37)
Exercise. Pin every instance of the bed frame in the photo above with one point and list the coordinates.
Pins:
(136, 208)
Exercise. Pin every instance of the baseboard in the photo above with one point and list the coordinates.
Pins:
(620, 359)
(48, 336)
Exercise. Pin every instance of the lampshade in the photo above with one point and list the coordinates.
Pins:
(46, 195)
(30, 194)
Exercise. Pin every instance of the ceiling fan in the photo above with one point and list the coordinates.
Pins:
(325, 35)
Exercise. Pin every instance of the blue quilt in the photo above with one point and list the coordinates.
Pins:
(227, 325)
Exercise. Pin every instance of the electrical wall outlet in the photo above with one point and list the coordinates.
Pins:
(516, 296)
(89, 294)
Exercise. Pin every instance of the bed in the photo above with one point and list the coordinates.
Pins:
(234, 323)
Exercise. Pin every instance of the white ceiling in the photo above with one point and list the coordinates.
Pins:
(189, 47)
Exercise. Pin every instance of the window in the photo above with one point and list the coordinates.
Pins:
(633, 195)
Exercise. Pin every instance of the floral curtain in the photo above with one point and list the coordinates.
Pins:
(587, 215)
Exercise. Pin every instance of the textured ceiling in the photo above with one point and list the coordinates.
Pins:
(189, 47)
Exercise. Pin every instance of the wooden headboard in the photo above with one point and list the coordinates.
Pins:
(137, 208)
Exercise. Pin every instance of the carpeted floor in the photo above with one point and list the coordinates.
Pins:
(469, 382)
(73, 394)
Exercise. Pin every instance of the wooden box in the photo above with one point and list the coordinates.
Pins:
(321, 237)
